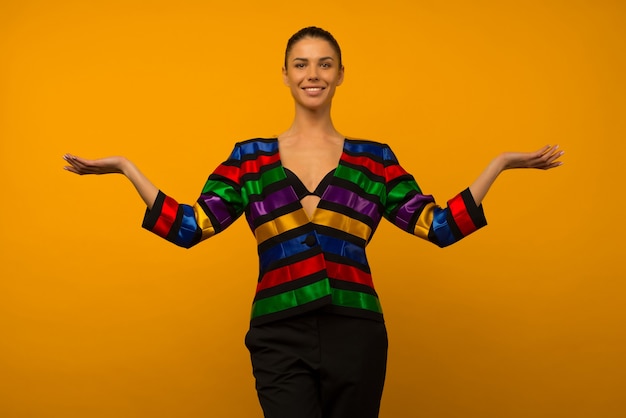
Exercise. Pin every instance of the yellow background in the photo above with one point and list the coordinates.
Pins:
(99, 318)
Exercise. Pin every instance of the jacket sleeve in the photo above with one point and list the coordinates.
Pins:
(219, 205)
(410, 210)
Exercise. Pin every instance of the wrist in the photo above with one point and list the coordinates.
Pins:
(500, 163)
(125, 166)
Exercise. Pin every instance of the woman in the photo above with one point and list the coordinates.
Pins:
(313, 199)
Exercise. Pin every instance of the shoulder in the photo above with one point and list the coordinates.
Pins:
(254, 147)
(373, 148)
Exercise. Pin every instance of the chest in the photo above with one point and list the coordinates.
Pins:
(311, 164)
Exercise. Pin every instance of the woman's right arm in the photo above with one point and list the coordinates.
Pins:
(119, 165)
(219, 205)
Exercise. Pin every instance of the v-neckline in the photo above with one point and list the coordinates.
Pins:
(331, 174)
(304, 191)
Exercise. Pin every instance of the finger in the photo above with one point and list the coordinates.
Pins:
(555, 157)
(553, 154)
(543, 150)
(549, 153)
(70, 159)
(74, 170)
(554, 165)
(77, 165)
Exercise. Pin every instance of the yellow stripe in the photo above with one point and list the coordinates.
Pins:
(203, 222)
(282, 224)
(342, 222)
(422, 226)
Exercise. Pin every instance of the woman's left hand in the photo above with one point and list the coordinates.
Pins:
(543, 159)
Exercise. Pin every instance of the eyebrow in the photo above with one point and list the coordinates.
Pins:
(306, 59)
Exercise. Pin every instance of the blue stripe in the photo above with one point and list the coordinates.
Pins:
(297, 245)
(282, 250)
(441, 228)
(362, 147)
(188, 226)
(254, 147)
(374, 148)
(343, 248)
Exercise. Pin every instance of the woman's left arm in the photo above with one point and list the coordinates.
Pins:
(543, 159)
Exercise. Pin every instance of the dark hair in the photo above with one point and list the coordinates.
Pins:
(313, 32)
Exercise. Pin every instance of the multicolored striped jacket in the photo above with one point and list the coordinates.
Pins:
(319, 262)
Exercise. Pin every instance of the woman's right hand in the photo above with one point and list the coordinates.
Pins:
(105, 165)
(117, 164)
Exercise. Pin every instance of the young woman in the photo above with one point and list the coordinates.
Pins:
(313, 198)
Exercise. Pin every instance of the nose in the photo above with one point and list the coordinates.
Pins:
(312, 74)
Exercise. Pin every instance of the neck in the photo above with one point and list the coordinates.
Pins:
(312, 123)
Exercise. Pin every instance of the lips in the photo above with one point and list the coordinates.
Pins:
(313, 91)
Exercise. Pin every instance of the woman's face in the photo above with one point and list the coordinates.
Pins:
(313, 72)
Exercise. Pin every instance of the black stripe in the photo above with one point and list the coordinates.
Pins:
(283, 210)
(214, 221)
(255, 176)
(355, 188)
(354, 287)
(414, 217)
(225, 180)
(400, 179)
(475, 212)
(365, 171)
(301, 256)
(347, 211)
(376, 158)
(291, 285)
(152, 215)
(456, 232)
(341, 235)
(346, 261)
(285, 236)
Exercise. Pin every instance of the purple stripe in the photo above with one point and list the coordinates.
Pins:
(352, 200)
(406, 211)
(271, 202)
(218, 209)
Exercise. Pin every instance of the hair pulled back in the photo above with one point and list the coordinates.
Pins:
(313, 32)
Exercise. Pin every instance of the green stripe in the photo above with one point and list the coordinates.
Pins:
(270, 176)
(360, 179)
(398, 194)
(225, 191)
(352, 299)
(291, 299)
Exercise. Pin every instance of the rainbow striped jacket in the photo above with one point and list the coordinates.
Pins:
(319, 262)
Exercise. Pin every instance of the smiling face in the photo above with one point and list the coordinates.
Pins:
(313, 71)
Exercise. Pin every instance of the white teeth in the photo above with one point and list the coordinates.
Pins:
(313, 88)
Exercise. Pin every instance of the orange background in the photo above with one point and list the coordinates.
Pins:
(99, 318)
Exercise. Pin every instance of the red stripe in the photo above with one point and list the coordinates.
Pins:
(394, 171)
(166, 217)
(348, 273)
(461, 216)
(228, 171)
(291, 272)
(373, 166)
(233, 173)
(253, 166)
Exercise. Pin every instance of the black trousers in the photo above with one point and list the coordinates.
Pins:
(319, 365)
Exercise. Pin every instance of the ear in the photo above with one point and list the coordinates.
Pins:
(285, 79)
(341, 73)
